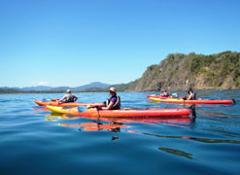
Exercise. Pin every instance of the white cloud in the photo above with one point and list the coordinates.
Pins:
(43, 83)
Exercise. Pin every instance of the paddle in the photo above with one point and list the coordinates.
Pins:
(55, 99)
(96, 106)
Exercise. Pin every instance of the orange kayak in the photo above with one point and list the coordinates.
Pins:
(124, 113)
(55, 103)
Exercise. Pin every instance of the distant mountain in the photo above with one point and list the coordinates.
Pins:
(95, 86)
(36, 88)
(9, 90)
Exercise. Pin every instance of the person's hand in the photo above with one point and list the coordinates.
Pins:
(89, 106)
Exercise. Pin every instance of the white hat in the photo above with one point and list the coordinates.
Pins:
(69, 91)
(112, 89)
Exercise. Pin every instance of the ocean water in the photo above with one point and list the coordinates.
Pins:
(34, 141)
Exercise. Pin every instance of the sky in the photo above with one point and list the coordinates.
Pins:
(75, 42)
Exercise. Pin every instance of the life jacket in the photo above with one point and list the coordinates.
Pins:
(165, 95)
(116, 105)
(71, 98)
(194, 96)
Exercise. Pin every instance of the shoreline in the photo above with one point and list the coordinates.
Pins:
(60, 92)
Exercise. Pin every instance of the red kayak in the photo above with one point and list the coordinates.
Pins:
(156, 98)
(124, 113)
(55, 103)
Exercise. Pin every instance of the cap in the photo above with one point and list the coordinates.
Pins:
(112, 89)
(69, 91)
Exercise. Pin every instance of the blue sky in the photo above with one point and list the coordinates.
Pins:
(74, 42)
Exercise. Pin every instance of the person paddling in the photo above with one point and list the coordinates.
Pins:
(68, 97)
(164, 93)
(190, 95)
(112, 103)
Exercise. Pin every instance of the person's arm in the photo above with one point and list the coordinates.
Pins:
(190, 96)
(75, 98)
(109, 106)
(97, 106)
(61, 100)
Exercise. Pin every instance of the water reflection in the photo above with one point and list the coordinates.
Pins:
(39, 108)
(176, 152)
(108, 124)
(216, 114)
(194, 115)
(56, 117)
(95, 126)
(198, 139)
(91, 125)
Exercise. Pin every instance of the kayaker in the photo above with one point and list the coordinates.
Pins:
(190, 95)
(68, 97)
(114, 102)
(164, 93)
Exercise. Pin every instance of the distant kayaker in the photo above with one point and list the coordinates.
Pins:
(68, 97)
(114, 102)
(164, 93)
(190, 95)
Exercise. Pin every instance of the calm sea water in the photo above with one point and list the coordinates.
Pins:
(35, 142)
